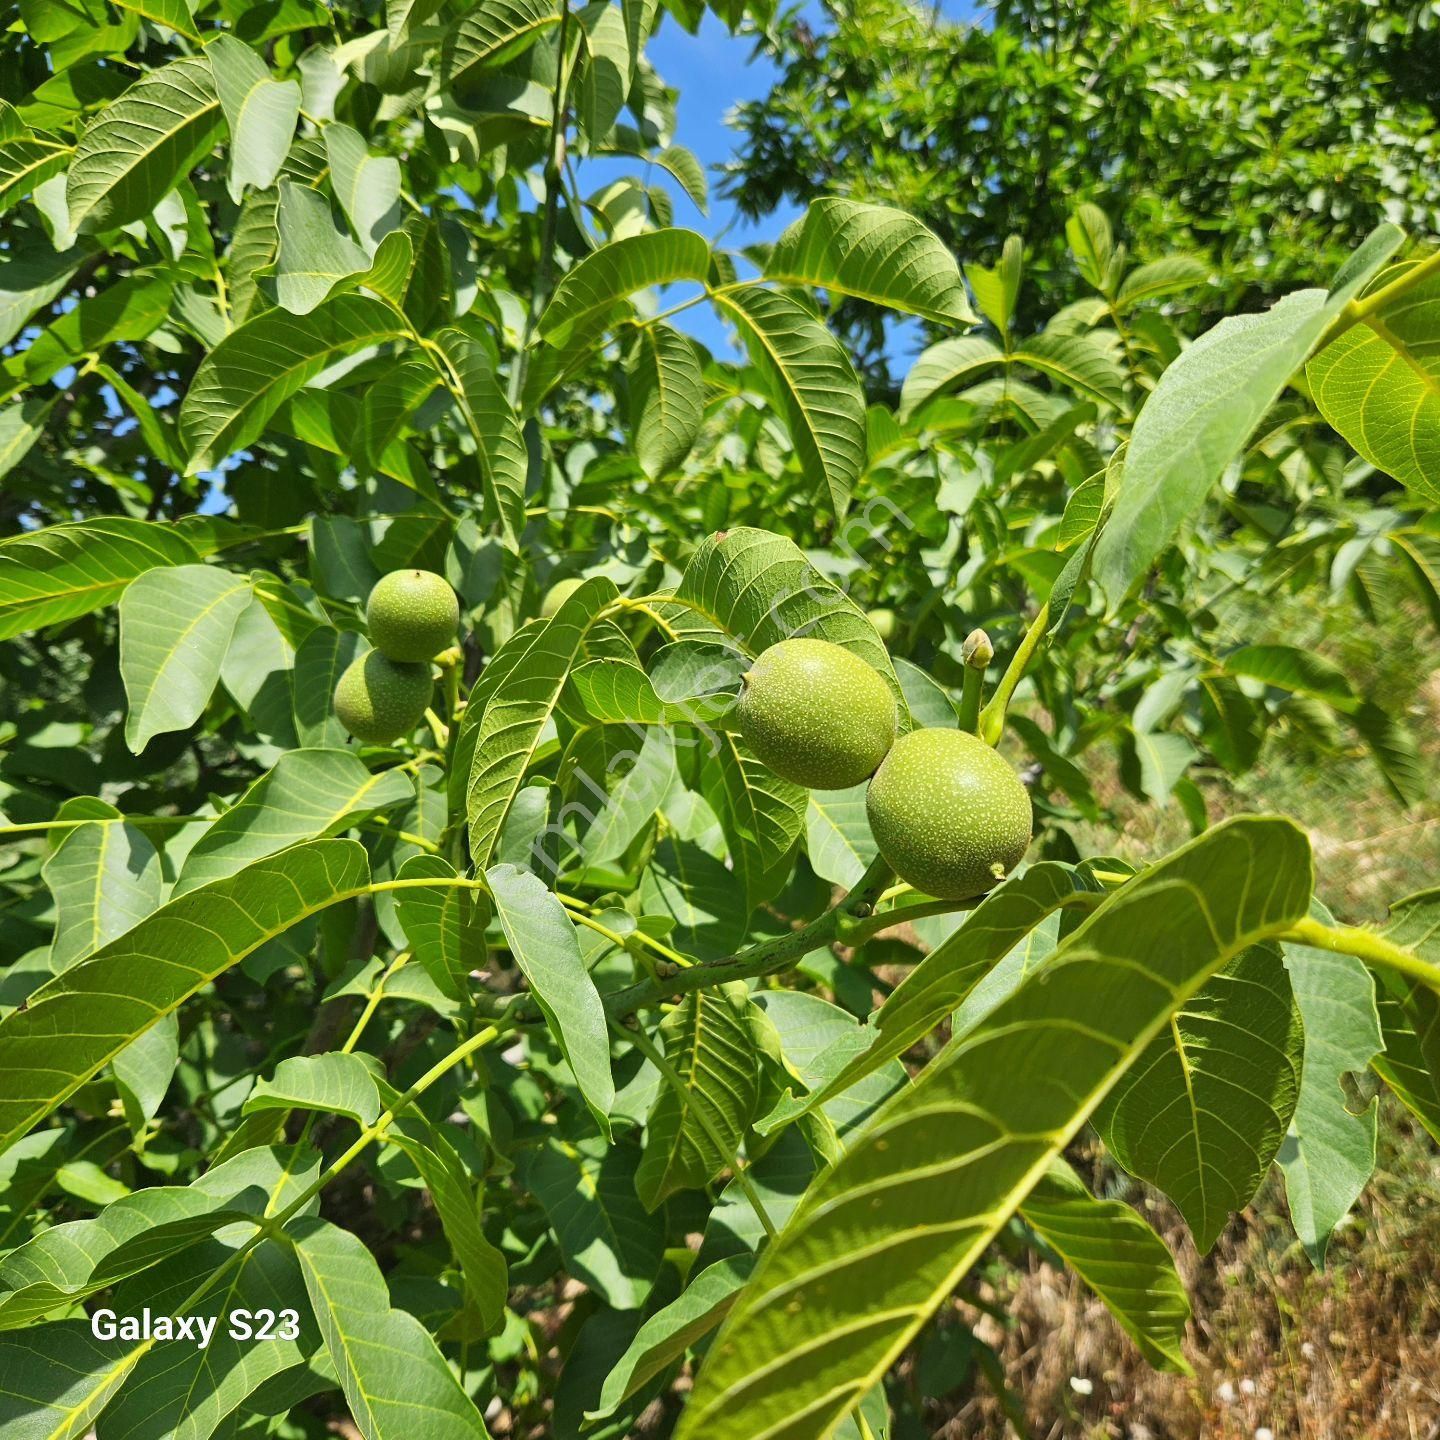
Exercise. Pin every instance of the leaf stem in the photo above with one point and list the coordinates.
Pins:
(372, 1003)
(1364, 945)
(977, 653)
(992, 717)
(1357, 312)
(550, 216)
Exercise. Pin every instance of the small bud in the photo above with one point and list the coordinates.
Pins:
(977, 651)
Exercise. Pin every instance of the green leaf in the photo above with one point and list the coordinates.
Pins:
(940, 984)
(759, 589)
(690, 683)
(391, 403)
(493, 31)
(696, 1126)
(130, 309)
(338, 1084)
(814, 1034)
(1410, 1012)
(55, 1382)
(105, 877)
(837, 834)
(514, 709)
(175, 626)
(1329, 1154)
(1394, 751)
(1291, 668)
(27, 162)
(542, 939)
(703, 898)
(1087, 364)
(632, 798)
(620, 269)
(810, 378)
(1203, 1112)
(153, 968)
(666, 1335)
(252, 249)
(884, 1236)
(1403, 1065)
(1378, 384)
(313, 254)
(308, 794)
(1120, 1257)
(260, 111)
(367, 186)
(52, 575)
(666, 398)
(32, 276)
(158, 431)
(1204, 409)
(143, 1071)
(245, 379)
(947, 366)
(70, 1262)
(396, 1382)
(321, 659)
(605, 76)
(32, 1167)
(761, 814)
(494, 427)
(445, 924)
(183, 1392)
(1092, 242)
(21, 425)
(448, 1181)
(997, 290)
(873, 253)
(1164, 276)
(1160, 758)
(587, 1189)
(142, 145)
(173, 14)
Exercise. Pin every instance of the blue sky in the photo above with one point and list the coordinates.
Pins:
(714, 71)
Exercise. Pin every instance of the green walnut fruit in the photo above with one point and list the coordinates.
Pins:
(379, 699)
(816, 714)
(558, 594)
(412, 615)
(884, 622)
(949, 815)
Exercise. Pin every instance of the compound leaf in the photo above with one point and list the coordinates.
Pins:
(874, 253)
(881, 1239)
(80, 1020)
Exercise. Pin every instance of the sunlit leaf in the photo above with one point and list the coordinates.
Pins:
(885, 1236)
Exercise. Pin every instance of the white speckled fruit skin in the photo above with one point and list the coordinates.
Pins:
(379, 700)
(817, 714)
(949, 815)
(412, 615)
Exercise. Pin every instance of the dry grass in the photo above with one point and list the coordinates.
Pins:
(1346, 1354)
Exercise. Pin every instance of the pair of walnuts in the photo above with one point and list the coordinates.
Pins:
(948, 814)
(412, 615)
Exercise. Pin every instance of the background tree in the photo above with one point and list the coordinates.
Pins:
(1267, 138)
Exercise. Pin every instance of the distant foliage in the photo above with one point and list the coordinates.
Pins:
(1268, 139)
